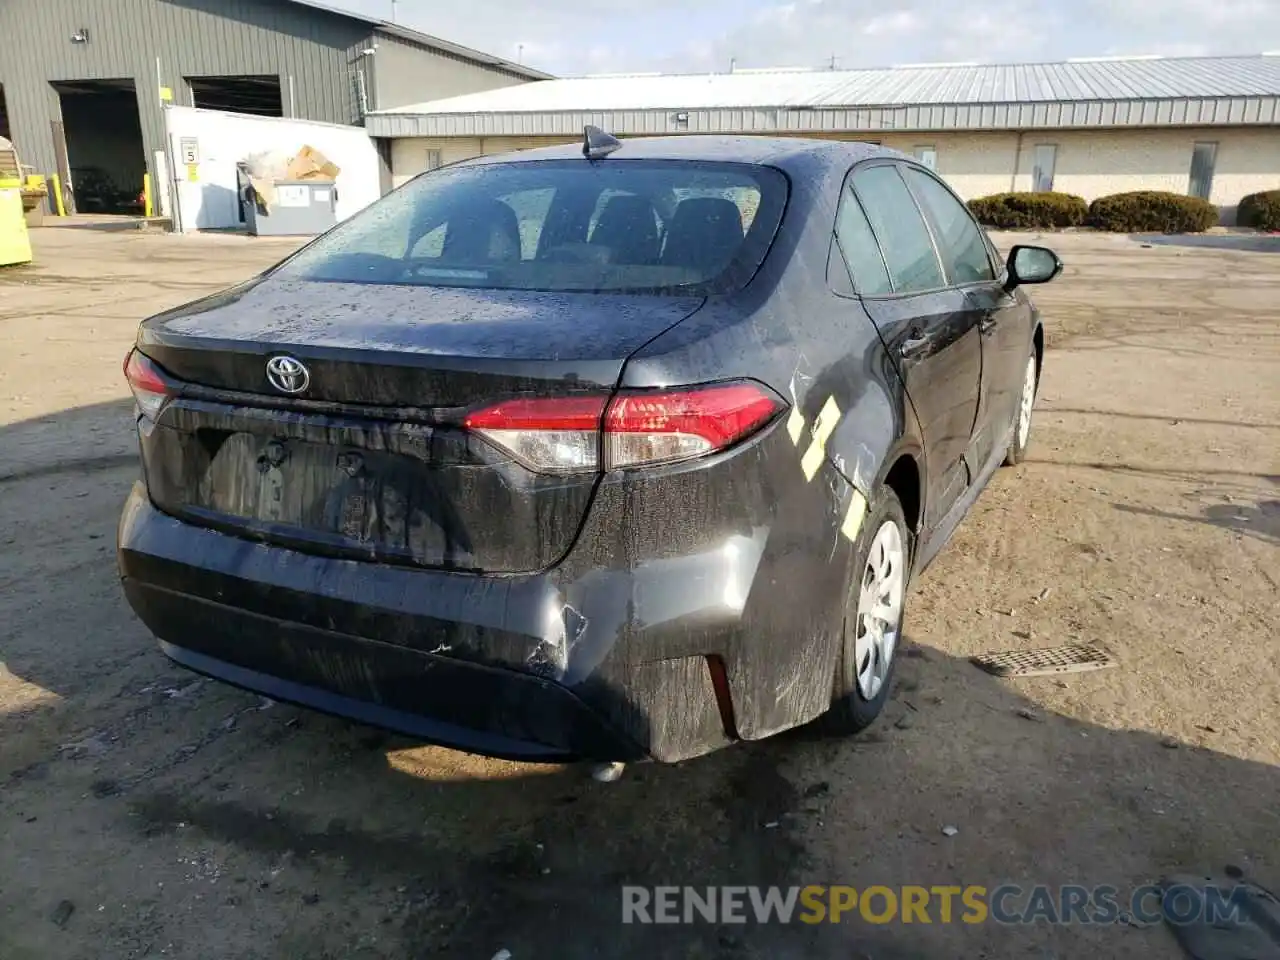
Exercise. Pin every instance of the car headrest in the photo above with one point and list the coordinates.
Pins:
(628, 225)
(705, 234)
(484, 232)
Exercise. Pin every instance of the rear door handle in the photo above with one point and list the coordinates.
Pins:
(914, 345)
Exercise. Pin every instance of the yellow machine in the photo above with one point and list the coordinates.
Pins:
(15, 245)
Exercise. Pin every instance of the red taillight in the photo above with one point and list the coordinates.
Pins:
(150, 389)
(640, 428)
(559, 435)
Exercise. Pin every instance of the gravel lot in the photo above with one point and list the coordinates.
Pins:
(147, 813)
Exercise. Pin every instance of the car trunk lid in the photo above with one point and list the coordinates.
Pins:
(410, 346)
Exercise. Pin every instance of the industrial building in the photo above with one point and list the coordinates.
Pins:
(83, 83)
(1207, 126)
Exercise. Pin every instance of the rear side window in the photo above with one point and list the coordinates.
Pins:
(964, 253)
(897, 223)
(561, 225)
(859, 248)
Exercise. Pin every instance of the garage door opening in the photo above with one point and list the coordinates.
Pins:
(4, 116)
(259, 96)
(106, 158)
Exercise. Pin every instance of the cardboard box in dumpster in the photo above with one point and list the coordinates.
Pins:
(311, 164)
(264, 169)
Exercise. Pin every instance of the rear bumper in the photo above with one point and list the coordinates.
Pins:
(489, 711)
(463, 661)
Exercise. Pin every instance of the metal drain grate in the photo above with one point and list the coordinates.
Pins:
(1071, 658)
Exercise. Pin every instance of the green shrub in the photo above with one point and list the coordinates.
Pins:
(1260, 210)
(1152, 211)
(1009, 211)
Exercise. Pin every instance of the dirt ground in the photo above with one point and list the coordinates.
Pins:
(147, 813)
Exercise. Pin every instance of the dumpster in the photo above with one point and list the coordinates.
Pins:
(299, 208)
(288, 195)
(15, 244)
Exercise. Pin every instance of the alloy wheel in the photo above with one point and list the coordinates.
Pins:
(879, 618)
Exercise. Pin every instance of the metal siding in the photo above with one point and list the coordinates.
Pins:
(902, 119)
(192, 37)
(409, 72)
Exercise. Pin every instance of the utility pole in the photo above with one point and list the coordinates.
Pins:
(395, 11)
(520, 54)
(833, 62)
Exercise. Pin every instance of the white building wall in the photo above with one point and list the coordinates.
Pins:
(410, 155)
(1090, 163)
(974, 164)
(1093, 164)
(207, 196)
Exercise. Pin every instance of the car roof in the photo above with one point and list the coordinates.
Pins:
(773, 151)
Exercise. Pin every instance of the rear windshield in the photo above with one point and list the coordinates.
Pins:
(561, 225)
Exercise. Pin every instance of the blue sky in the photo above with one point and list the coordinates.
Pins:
(569, 37)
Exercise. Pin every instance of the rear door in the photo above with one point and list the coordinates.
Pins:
(927, 325)
(1003, 320)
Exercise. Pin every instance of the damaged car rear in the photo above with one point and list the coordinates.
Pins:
(545, 456)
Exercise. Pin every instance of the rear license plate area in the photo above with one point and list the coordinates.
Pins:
(363, 497)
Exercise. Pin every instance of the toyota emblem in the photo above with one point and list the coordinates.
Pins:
(288, 375)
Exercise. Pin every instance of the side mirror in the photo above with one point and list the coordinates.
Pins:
(1031, 265)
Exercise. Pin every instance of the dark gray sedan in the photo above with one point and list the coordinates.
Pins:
(612, 451)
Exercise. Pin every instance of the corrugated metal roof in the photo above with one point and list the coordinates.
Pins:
(1073, 81)
(427, 40)
(1146, 92)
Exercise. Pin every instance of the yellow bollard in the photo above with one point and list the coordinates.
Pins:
(147, 207)
(57, 195)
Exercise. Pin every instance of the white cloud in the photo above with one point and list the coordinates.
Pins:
(1184, 27)
(775, 15)
(901, 21)
(580, 36)
(1211, 12)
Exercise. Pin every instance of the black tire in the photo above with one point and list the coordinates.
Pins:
(1019, 441)
(850, 711)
